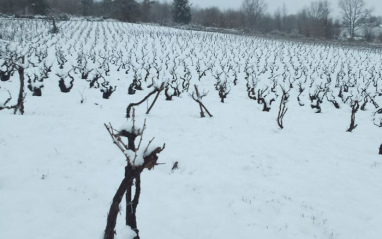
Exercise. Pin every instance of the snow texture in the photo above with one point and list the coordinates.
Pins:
(238, 176)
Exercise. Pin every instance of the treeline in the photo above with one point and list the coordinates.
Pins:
(303, 23)
(124, 10)
(40, 7)
(315, 20)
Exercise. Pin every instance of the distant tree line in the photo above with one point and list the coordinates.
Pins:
(314, 20)
(179, 11)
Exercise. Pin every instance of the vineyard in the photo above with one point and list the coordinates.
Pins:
(261, 138)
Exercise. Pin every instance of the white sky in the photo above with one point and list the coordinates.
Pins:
(292, 5)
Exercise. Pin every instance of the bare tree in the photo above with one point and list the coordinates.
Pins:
(160, 12)
(67, 6)
(315, 21)
(253, 10)
(280, 16)
(86, 7)
(319, 12)
(13, 6)
(354, 13)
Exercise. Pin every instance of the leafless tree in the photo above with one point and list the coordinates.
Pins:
(280, 17)
(13, 6)
(161, 12)
(319, 12)
(354, 13)
(253, 10)
(368, 33)
(67, 6)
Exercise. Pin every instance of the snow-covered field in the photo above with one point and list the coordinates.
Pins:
(239, 175)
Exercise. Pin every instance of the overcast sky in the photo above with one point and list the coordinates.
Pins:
(292, 5)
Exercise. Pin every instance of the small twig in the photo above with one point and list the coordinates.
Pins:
(117, 141)
(133, 128)
(121, 141)
(140, 141)
(148, 146)
(9, 99)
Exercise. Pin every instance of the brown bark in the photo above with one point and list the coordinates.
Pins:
(354, 110)
(201, 105)
(126, 184)
(131, 172)
(20, 101)
(114, 209)
(128, 110)
(156, 97)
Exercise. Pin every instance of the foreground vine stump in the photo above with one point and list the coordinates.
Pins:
(138, 158)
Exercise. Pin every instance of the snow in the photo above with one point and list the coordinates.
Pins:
(125, 233)
(145, 149)
(239, 175)
(128, 127)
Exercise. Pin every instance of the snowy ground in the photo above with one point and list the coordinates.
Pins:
(239, 175)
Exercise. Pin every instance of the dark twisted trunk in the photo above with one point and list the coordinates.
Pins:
(20, 101)
(355, 108)
(201, 105)
(129, 107)
(156, 97)
(131, 173)
(113, 211)
(131, 219)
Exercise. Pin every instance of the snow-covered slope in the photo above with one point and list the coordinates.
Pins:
(239, 175)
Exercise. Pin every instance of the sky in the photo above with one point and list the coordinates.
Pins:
(292, 5)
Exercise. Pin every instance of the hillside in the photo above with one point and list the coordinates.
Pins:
(239, 174)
